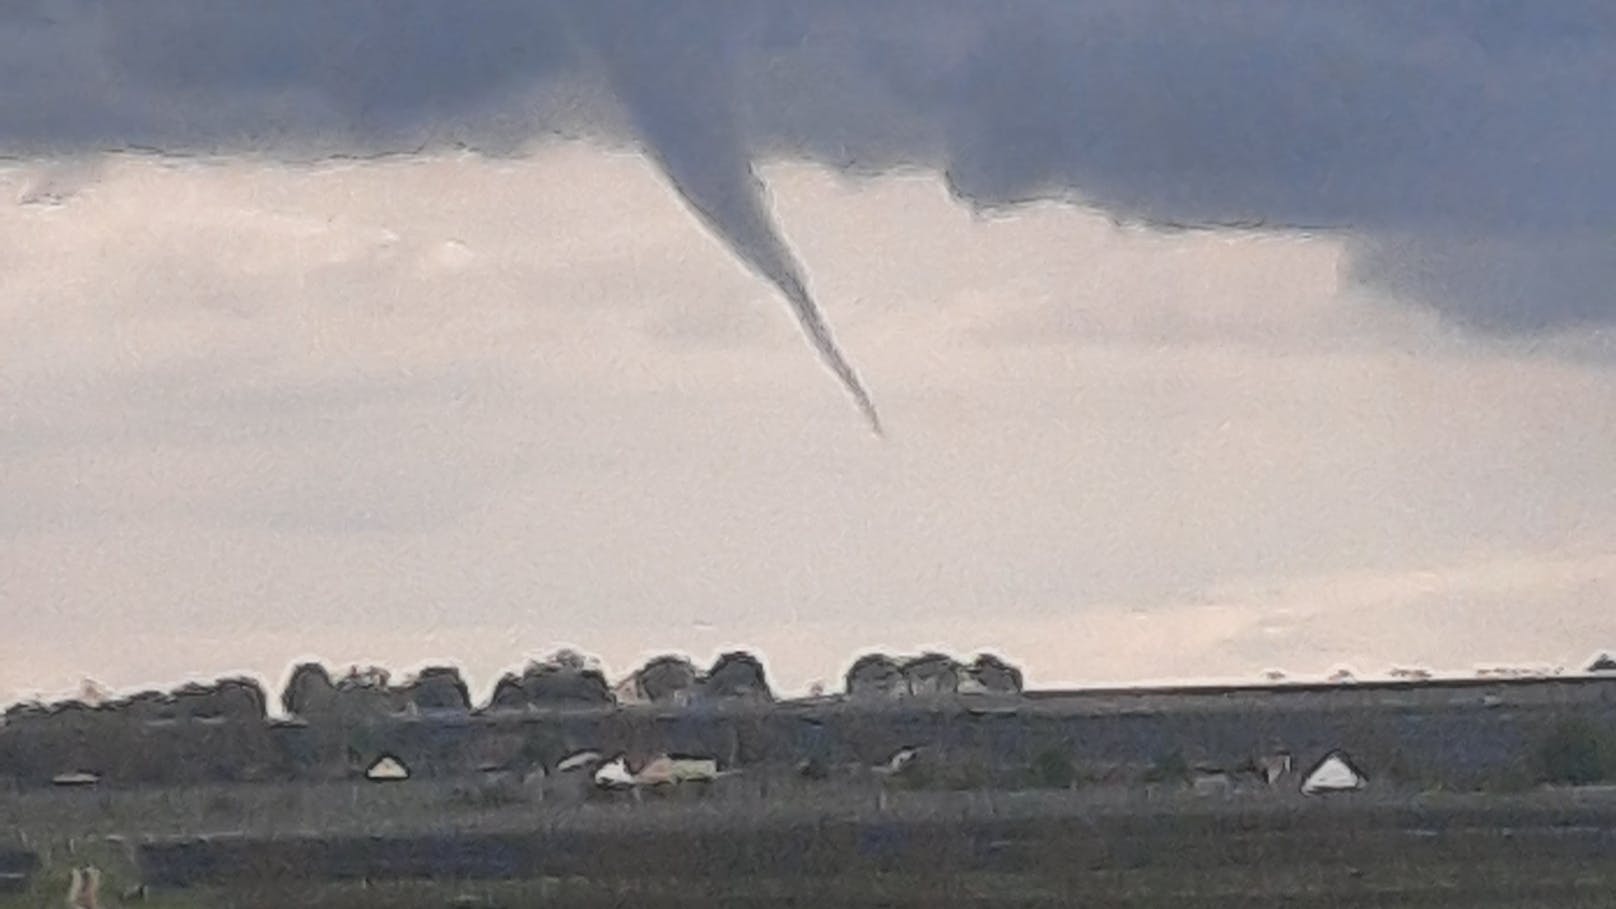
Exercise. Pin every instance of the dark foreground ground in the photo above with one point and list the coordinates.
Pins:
(1549, 849)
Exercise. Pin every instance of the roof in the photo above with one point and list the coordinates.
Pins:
(77, 778)
(387, 768)
(1334, 772)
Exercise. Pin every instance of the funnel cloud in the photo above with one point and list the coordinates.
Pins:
(674, 76)
(1464, 148)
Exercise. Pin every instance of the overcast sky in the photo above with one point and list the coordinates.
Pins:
(257, 404)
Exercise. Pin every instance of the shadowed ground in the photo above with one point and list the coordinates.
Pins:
(1541, 848)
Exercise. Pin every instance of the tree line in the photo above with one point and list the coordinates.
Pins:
(565, 678)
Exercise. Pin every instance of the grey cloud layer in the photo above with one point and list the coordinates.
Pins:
(1466, 143)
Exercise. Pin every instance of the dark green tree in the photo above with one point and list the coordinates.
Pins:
(1168, 768)
(1052, 769)
(1577, 753)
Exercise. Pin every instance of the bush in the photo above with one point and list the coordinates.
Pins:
(968, 776)
(1577, 753)
(1508, 781)
(491, 793)
(222, 804)
(918, 775)
(1052, 769)
(814, 768)
(1168, 768)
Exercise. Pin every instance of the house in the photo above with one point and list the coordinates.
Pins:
(583, 760)
(904, 761)
(574, 776)
(628, 691)
(676, 769)
(1207, 782)
(1334, 773)
(76, 778)
(614, 774)
(664, 769)
(900, 761)
(1274, 767)
(387, 769)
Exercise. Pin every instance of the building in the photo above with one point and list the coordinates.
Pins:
(76, 778)
(387, 769)
(1335, 773)
(1211, 782)
(677, 768)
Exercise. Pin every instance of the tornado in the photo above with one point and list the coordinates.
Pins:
(673, 70)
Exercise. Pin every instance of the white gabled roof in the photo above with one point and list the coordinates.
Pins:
(387, 768)
(901, 758)
(615, 773)
(76, 779)
(1333, 774)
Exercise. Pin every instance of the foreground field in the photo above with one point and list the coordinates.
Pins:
(960, 849)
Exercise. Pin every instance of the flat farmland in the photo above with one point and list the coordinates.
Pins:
(1549, 848)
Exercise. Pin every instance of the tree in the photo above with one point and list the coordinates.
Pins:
(151, 705)
(1169, 767)
(1052, 768)
(994, 675)
(439, 688)
(570, 659)
(1577, 753)
(364, 691)
(372, 677)
(508, 694)
(737, 674)
(309, 690)
(814, 767)
(932, 673)
(94, 693)
(564, 678)
(565, 682)
(664, 678)
(874, 674)
(238, 698)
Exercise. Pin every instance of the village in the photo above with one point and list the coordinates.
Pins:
(177, 776)
(928, 721)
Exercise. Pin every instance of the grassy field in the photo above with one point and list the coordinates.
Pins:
(941, 849)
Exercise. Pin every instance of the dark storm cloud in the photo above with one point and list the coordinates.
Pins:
(1465, 146)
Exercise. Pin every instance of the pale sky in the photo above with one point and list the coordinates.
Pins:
(447, 407)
